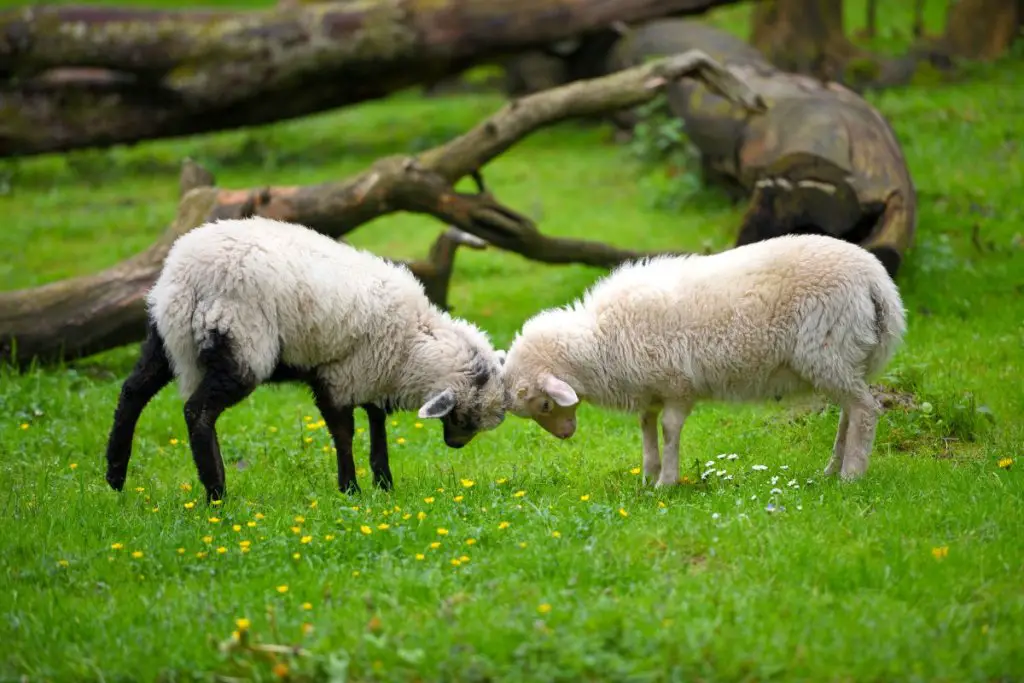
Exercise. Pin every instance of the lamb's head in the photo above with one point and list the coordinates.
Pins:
(470, 396)
(534, 392)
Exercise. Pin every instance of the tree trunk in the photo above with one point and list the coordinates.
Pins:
(81, 76)
(804, 36)
(86, 315)
(983, 29)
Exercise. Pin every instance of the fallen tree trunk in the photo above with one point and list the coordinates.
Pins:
(81, 76)
(819, 159)
(86, 315)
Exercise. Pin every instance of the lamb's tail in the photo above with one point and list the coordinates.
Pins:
(890, 321)
(172, 308)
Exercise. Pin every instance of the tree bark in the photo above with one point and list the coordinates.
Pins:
(81, 76)
(86, 315)
(804, 36)
(982, 29)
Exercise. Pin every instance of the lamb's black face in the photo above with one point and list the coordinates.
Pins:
(459, 428)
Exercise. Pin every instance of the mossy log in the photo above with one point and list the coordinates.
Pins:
(93, 76)
(85, 315)
(819, 159)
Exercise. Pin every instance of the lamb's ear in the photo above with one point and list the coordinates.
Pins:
(558, 390)
(438, 405)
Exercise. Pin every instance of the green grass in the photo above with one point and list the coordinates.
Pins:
(841, 582)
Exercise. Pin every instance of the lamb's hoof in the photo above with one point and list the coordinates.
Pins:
(650, 478)
(665, 483)
(851, 474)
(116, 483)
(833, 467)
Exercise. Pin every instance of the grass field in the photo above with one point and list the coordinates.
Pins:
(521, 557)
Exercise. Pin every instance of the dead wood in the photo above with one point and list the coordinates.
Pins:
(85, 315)
(93, 76)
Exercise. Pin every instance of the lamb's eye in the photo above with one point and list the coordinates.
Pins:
(545, 407)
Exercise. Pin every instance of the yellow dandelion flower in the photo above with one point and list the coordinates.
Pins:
(418, 425)
(307, 606)
(585, 497)
(258, 515)
(185, 486)
(24, 425)
(245, 544)
(313, 504)
(406, 516)
(296, 556)
(519, 494)
(556, 534)
(470, 541)
(400, 440)
(940, 552)
(421, 515)
(360, 471)
(307, 418)
(139, 489)
(326, 449)
(622, 511)
(464, 558)
(501, 481)
(242, 624)
(394, 423)
(173, 441)
(308, 439)
(522, 544)
(214, 520)
(271, 429)
(73, 465)
(456, 562)
(236, 527)
(156, 509)
(282, 589)
(661, 504)
(221, 550)
(189, 505)
(250, 524)
(280, 669)
(307, 628)
(635, 470)
(366, 530)
(383, 527)
(457, 499)
(305, 539)
(244, 549)
(360, 430)
(441, 531)
(207, 539)
(544, 608)
(296, 529)
(62, 563)
(201, 554)
(1004, 463)
(299, 519)
(503, 525)
(468, 483)
(329, 537)
(428, 500)
(116, 546)
(137, 554)
(441, 490)
(435, 545)
(355, 573)
(181, 551)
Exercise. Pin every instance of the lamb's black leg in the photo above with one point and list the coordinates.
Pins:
(379, 464)
(223, 385)
(151, 373)
(342, 426)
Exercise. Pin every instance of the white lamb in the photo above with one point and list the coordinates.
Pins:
(243, 302)
(777, 317)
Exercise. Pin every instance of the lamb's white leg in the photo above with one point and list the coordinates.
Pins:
(652, 455)
(673, 417)
(839, 447)
(860, 437)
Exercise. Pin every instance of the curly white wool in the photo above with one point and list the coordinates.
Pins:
(768, 319)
